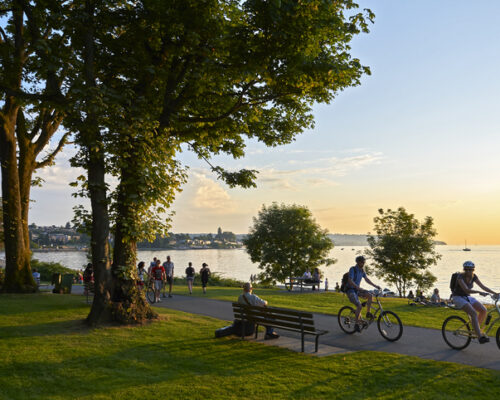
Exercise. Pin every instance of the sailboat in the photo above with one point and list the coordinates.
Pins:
(466, 248)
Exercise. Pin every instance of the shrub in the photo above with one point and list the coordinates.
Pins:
(46, 269)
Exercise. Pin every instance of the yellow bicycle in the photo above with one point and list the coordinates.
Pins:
(457, 332)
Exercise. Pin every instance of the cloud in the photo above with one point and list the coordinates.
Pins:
(316, 172)
(210, 195)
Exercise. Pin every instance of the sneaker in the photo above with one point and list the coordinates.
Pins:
(159, 300)
(169, 295)
(484, 339)
(357, 328)
(369, 315)
(274, 335)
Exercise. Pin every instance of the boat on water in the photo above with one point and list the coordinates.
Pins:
(465, 247)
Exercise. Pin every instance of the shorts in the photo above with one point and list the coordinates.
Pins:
(170, 279)
(190, 278)
(353, 297)
(158, 284)
(140, 283)
(461, 301)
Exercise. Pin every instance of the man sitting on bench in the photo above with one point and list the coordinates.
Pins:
(248, 298)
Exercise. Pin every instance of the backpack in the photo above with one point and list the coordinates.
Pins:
(454, 281)
(345, 281)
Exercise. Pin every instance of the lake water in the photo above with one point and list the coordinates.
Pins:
(236, 263)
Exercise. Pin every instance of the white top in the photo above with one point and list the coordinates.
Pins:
(307, 275)
(253, 299)
(169, 268)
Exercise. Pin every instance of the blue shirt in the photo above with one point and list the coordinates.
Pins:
(356, 274)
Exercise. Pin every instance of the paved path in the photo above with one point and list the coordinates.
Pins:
(420, 342)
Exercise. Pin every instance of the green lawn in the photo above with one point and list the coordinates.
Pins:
(47, 353)
(331, 302)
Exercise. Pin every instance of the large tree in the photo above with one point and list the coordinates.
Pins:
(285, 240)
(402, 249)
(203, 74)
(30, 91)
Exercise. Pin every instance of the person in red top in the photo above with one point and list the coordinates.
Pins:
(158, 274)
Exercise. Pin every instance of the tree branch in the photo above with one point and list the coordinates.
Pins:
(50, 158)
(4, 35)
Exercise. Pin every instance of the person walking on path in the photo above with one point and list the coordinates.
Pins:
(354, 291)
(463, 301)
(204, 274)
(248, 298)
(190, 277)
(158, 274)
(169, 272)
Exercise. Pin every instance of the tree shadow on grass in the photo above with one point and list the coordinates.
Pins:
(94, 372)
(44, 329)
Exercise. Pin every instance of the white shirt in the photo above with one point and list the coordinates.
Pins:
(169, 268)
(253, 299)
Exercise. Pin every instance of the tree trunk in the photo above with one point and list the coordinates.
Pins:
(18, 276)
(91, 139)
(130, 305)
(103, 287)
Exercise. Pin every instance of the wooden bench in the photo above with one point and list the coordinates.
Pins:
(301, 282)
(282, 318)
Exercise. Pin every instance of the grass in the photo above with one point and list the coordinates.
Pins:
(331, 302)
(48, 353)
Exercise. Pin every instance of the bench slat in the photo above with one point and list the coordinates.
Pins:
(283, 311)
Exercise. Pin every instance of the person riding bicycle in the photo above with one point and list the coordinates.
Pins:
(354, 291)
(463, 301)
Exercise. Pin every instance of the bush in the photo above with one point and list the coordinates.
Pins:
(46, 269)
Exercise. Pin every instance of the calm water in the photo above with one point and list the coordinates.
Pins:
(236, 263)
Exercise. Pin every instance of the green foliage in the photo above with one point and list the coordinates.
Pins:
(215, 279)
(285, 240)
(402, 249)
(46, 269)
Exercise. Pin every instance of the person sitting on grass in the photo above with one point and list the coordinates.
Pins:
(248, 298)
(435, 298)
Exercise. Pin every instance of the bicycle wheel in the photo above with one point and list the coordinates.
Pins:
(390, 326)
(498, 337)
(456, 332)
(347, 319)
(150, 294)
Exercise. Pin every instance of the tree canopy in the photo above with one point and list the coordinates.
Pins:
(285, 240)
(141, 81)
(402, 249)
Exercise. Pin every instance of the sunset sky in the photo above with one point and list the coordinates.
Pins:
(421, 132)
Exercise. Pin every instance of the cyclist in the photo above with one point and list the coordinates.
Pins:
(354, 291)
(463, 301)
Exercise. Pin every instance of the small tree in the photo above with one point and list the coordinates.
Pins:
(402, 249)
(285, 240)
